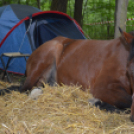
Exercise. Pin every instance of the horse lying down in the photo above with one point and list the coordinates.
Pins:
(104, 65)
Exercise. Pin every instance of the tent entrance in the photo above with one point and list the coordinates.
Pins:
(45, 30)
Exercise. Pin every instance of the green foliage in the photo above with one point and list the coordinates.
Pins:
(45, 5)
(93, 11)
(70, 8)
(102, 11)
(97, 11)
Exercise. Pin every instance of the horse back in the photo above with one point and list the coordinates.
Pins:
(87, 62)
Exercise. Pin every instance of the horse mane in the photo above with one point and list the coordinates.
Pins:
(131, 55)
(131, 48)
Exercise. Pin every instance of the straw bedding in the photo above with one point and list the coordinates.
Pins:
(59, 110)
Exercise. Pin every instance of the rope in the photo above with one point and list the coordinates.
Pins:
(23, 39)
(25, 34)
(108, 22)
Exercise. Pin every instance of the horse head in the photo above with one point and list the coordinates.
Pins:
(129, 38)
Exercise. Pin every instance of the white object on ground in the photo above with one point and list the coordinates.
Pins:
(35, 93)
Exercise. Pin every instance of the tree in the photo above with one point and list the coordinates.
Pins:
(59, 5)
(78, 11)
(27, 2)
(120, 16)
(19, 2)
(6, 2)
(38, 3)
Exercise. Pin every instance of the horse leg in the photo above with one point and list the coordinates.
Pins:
(49, 75)
(31, 80)
(105, 106)
(28, 84)
(114, 95)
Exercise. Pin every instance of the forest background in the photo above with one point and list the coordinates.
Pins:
(96, 17)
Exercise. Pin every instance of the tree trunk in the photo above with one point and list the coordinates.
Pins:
(27, 2)
(38, 3)
(78, 11)
(19, 2)
(59, 5)
(120, 16)
(6, 2)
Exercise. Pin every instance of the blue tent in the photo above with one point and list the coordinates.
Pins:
(24, 28)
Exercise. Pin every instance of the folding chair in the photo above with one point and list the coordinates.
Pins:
(11, 55)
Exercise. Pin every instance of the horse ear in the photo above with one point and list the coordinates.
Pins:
(120, 30)
(128, 37)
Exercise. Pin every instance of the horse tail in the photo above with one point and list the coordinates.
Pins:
(27, 84)
(62, 43)
(9, 90)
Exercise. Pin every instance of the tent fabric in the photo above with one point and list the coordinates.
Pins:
(24, 28)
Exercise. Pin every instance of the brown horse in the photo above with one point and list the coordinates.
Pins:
(102, 65)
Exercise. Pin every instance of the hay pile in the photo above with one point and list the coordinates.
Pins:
(59, 110)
